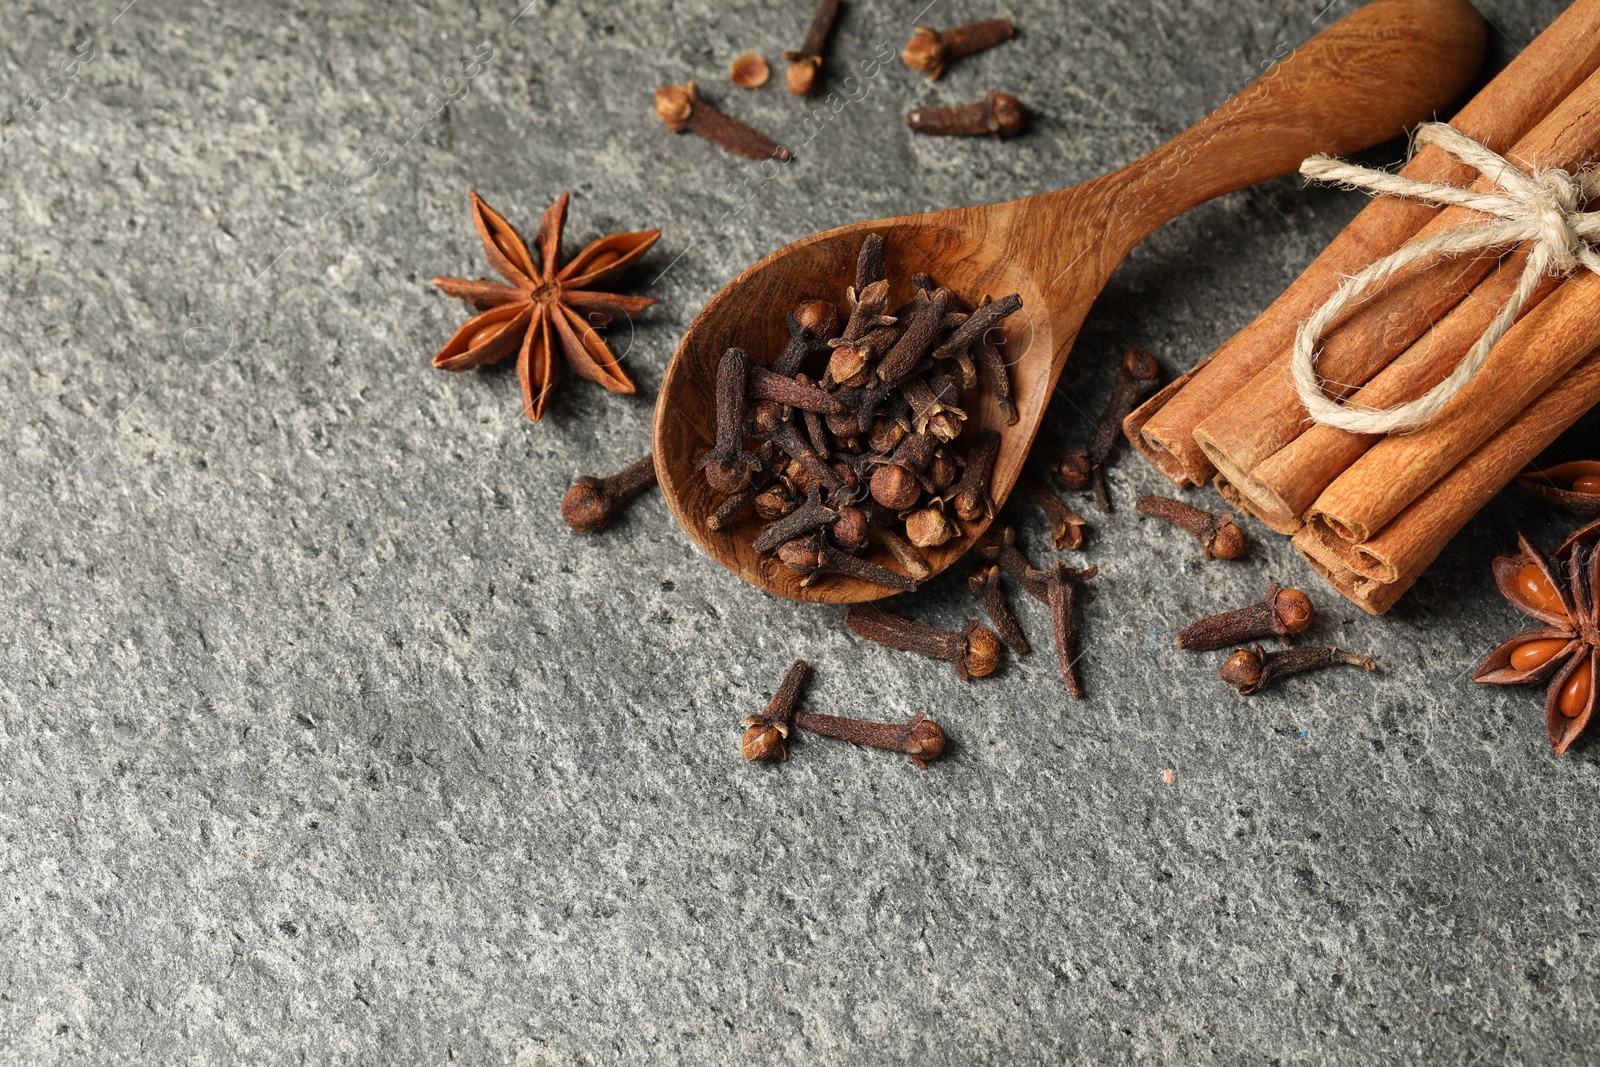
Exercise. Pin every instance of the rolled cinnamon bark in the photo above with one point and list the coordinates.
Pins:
(1534, 355)
(1282, 487)
(1376, 573)
(1530, 86)
(1267, 414)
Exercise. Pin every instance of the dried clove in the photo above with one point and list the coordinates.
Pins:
(1000, 546)
(984, 584)
(1219, 537)
(808, 517)
(971, 498)
(872, 262)
(930, 51)
(818, 559)
(1137, 375)
(684, 110)
(908, 557)
(897, 484)
(810, 324)
(921, 738)
(732, 506)
(929, 527)
(1250, 670)
(1061, 590)
(1066, 525)
(977, 325)
(788, 438)
(763, 384)
(728, 465)
(922, 333)
(805, 63)
(749, 70)
(973, 650)
(994, 368)
(1000, 114)
(1074, 470)
(591, 502)
(765, 734)
(1281, 613)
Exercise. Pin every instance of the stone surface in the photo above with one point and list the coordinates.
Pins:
(323, 740)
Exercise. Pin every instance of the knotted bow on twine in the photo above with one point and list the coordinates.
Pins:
(1544, 209)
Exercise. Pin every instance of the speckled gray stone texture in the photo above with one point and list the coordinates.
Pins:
(324, 741)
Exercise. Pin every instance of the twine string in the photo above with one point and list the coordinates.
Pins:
(1544, 209)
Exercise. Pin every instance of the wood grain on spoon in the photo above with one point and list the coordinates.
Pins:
(1365, 79)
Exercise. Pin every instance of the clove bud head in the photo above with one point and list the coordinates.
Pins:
(749, 70)
(586, 507)
(981, 659)
(819, 318)
(924, 741)
(1074, 470)
(1245, 670)
(928, 528)
(1293, 611)
(674, 105)
(1227, 543)
(895, 487)
(763, 743)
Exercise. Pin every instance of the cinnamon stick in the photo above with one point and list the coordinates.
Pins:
(1283, 486)
(1534, 355)
(1376, 573)
(1267, 414)
(1544, 74)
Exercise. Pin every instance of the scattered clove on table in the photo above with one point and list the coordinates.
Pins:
(592, 502)
(1281, 613)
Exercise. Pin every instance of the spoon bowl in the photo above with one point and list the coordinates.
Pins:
(1363, 80)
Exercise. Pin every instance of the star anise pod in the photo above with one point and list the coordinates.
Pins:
(544, 307)
(1564, 594)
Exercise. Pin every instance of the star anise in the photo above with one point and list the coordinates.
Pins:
(1564, 594)
(544, 307)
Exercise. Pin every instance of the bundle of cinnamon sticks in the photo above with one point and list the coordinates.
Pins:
(1371, 512)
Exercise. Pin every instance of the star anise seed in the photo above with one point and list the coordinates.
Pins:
(546, 307)
(1565, 595)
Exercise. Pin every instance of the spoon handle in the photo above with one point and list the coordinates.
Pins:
(1367, 78)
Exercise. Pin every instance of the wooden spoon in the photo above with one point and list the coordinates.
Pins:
(1363, 80)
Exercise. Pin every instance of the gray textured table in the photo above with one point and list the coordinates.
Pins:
(323, 740)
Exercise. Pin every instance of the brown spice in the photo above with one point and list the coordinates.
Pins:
(1565, 596)
(974, 650)
(930, 51)
(749, 70)
(765, 734)
(1074, 471)
(984, 584)
(1574, 486)
(1061, 584)
(1249, 670)
(591, 502)
(684, 110)
(1138, 375)
(999, 114)
(728, 465)
(1281, 613)
(1066, 525)
(805, 63)
(1000, 546)
(1219, 537)
(971, 498)
(921, 738)
(547, 310)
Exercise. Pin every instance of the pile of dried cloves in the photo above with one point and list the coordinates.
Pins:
(852, 439)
